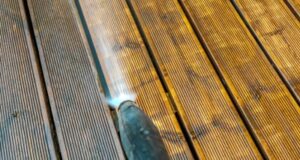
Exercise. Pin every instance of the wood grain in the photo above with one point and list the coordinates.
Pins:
(263, 99)
(25, 129)
(294, 6)
(128, 69)
(84, 126)
(202, 101)
(279, 31)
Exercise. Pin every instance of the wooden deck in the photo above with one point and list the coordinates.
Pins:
(219, 78)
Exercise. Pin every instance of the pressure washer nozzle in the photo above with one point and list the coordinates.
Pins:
(140, 137)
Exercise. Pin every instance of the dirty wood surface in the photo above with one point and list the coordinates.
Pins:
(25, 131)
(263, 98)
(83, 122)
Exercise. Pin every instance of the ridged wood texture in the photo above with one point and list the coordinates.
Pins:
(263, 98)
(294, 6)
(128, 68)
(83, 123)
(24, 124)
(279, 31)
(213, 122)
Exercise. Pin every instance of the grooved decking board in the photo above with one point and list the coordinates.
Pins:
(295, 7)
(83, 122)
(279, 31)
(265, 102)
(202, 101)
(128, 68)
(24, 122)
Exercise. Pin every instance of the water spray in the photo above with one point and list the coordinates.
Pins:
(139, 136)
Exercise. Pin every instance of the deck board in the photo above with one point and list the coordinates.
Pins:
(192, 82)
(83, 122)
(264, 100)
(128, 68)
(294, 6)
(24, 122)
(279, 31)
(222, 74)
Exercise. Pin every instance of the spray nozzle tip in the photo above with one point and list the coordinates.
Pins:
(115, 102)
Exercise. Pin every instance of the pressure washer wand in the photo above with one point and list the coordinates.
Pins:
(139, 136)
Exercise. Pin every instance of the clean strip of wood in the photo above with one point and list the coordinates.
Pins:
(279, 32)
(197, 91)
(263, 98)
(128, 68)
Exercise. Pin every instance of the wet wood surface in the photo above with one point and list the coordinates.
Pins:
(279, 31)
(192, 82)
(219, 78)
(294, 5)
(128, 68)
(263, 98)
